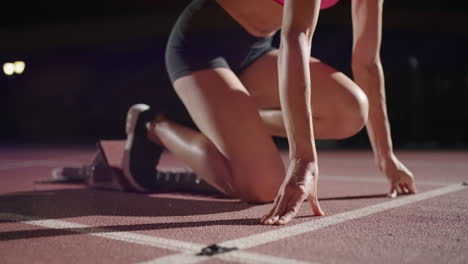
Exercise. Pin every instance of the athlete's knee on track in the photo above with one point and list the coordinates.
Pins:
(255, 190)
(216, 166)
(257, 195)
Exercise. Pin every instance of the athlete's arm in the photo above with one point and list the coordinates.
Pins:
(299, 21)
(368, 74)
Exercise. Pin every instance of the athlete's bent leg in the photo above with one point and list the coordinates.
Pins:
(339, 106)
(234, 150)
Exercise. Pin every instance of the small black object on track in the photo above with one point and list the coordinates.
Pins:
(215, 249)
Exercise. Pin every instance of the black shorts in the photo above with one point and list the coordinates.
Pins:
(206, 36)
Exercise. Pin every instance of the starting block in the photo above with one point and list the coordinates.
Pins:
(107, 166)
(104, 172)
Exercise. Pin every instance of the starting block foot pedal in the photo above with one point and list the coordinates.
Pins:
(104, 172)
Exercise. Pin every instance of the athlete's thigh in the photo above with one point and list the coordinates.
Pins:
(331, 89)
(222, 109)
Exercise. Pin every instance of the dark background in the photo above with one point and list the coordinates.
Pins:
(88, 61)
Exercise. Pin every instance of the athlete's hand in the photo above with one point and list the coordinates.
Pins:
(400, 177)
(300, 184)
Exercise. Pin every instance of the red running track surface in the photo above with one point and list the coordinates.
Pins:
(45, 223)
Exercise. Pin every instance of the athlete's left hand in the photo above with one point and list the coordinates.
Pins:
(400, 177)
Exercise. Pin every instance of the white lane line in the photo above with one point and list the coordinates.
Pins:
(129, 237)
(234, 256)
(177, 258)
(8, 165)
(377, 180)
(294, 230)
(318, 223)
(354, 163)
(252, 257)
(188, 249)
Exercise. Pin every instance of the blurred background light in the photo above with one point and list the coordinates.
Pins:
(8, 68)
(19, 67)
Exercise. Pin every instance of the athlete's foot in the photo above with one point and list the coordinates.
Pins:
(169, 181)
(140, 155)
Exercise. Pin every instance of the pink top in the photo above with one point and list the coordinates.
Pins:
(325, 3)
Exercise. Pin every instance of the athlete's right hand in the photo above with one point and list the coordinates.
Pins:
(300, 184)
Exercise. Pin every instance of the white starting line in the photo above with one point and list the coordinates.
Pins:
(377, 179)
(188, 249)
(309, 226)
